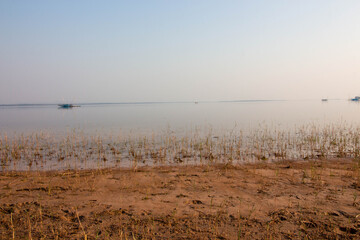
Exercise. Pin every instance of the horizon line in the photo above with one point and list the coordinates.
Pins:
(160, 102)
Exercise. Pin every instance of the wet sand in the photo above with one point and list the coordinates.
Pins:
(284, 200)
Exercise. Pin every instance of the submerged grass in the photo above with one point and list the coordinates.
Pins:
(45, 151)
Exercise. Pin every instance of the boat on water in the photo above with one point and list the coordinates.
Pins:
(67, 106)
(355, 99)
(324, 99)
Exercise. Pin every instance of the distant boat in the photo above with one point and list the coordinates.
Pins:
(67, 106)
(355, 99)
(324, 99)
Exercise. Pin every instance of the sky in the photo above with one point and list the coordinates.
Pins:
(186, 50)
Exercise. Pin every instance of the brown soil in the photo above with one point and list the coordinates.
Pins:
(285, 200)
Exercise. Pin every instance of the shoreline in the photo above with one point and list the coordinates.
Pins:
(285, 199)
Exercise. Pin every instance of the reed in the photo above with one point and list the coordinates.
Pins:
(77, 150)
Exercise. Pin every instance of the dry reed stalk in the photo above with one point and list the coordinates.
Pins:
(81, 226)
(12, 226)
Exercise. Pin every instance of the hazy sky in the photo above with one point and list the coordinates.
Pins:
(185, 50)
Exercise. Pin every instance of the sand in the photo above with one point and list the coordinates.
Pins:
(284, 200)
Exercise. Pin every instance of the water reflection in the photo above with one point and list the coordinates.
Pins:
(179, 117)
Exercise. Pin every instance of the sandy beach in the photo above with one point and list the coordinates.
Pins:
(284, 200)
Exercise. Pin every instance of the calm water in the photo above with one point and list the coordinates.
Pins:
(178, 117)
(101, 142)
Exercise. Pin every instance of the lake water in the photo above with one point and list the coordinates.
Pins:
(145, 118)
(127, 135)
